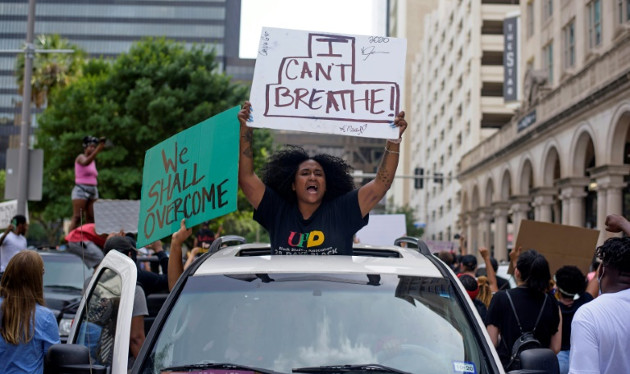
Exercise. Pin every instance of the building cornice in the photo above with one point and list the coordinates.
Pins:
(508, 139)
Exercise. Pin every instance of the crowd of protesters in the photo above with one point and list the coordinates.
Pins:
(587, 329)
(581, 317)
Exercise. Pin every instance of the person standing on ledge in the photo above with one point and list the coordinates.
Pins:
(85, 192)
(308, 204)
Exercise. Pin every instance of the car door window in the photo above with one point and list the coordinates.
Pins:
(97, 324)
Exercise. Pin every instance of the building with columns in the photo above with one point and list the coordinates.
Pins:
(565, 156)
(457, 90)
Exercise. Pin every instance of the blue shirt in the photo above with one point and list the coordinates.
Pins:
(29, 357)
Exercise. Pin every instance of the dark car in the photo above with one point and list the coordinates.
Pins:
(64, 277)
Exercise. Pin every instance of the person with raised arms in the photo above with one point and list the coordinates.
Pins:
(309, 204)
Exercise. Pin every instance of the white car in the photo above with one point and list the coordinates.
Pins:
(385, 309)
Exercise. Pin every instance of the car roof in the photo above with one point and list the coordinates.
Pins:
(49, 253)
(235, 260)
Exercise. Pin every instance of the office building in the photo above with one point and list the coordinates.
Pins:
(106, 28)
(457, 102)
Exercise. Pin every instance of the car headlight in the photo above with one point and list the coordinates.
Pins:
(65, 325)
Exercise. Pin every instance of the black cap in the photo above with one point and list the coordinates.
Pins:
(87, 140)
(469, 261)
(120, 243)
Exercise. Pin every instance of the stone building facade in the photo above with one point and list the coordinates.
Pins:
(564, 158)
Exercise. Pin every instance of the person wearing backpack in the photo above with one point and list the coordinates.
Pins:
(527, 316)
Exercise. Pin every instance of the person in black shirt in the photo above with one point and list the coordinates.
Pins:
(502, 283)
(532, 275)
(309, 204)
(472, 288)
(571, 294)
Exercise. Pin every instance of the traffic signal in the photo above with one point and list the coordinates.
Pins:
(418, 182)
(438, 178)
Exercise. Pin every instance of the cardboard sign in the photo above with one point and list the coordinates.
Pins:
(382, 229)
(560, 244)
(192, 175)
(8, 210)
(328, 83)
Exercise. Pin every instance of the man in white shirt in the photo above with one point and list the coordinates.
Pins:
(13, 240)
(600, 331)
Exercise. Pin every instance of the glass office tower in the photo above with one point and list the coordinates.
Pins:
(109, 27)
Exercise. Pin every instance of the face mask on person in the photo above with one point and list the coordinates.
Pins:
(599, 281)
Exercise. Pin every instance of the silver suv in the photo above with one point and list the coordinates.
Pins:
(240, 310)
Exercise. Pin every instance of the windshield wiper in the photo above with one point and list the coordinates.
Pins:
(366, 368)
(222, 365)
(63, 287)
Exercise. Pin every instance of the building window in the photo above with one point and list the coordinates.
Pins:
(547, 9)
(623, 8)
(594, 23)
(548, 59)
(530, 18)
(568, 36)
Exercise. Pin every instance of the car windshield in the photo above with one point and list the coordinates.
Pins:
(66, 271)
(282, 322)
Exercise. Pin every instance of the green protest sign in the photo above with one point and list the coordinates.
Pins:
(192, 175)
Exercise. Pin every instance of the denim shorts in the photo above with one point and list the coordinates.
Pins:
(84, 192)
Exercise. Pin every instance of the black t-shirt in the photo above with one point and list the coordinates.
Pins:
(502, 283)
(328, 231)
(527, 304)
(481, 309)
(567, 318)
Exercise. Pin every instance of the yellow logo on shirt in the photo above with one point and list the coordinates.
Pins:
(311, 239)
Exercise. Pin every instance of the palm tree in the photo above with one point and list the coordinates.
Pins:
(51, 70)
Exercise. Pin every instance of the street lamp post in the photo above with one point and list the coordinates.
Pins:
(22, 188)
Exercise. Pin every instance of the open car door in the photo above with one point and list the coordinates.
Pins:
(102, 324)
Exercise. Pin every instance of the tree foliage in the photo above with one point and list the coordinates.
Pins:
(50, 70)
(154, 91)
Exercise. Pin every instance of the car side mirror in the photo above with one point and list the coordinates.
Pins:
(70, 358)
(538, 360)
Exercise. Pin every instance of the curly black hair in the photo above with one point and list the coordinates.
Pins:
(570, 280)
(615, 253)
(279, 172)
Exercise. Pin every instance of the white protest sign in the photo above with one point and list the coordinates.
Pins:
(382, 229)
(328, 83)
(8, 210)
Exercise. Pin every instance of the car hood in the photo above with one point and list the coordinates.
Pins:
(58, 300)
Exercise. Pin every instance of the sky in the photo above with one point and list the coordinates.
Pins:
(360, 17)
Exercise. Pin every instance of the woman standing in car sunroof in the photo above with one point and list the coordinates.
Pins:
(308, 204)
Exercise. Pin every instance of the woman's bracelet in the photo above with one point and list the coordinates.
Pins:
(390, 151)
